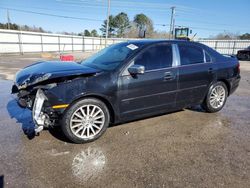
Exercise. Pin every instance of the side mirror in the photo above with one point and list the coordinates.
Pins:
(136, 69)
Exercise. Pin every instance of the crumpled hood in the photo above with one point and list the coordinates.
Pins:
(46, 70)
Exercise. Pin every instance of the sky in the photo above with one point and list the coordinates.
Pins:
(205, 17)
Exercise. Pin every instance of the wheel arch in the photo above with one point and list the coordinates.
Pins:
(214, 82)
(101, 98)
(226, 82)
(205, 104)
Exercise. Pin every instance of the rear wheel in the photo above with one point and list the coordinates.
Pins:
(216, 97)
(85, 121)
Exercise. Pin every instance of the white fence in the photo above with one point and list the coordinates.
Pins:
(229, 47)
(12, 41)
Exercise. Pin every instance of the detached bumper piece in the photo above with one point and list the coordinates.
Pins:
(39, 117)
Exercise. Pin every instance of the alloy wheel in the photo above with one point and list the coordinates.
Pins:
(217, 96)
(87, 121)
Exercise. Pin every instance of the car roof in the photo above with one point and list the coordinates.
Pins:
(146, 42)
(156, 41)
(153, 41)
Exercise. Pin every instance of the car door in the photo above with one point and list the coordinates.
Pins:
(153, 91)
(196, 72)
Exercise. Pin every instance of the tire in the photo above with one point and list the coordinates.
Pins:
(85, 121)
(214, 103)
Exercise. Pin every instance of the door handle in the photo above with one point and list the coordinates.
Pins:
(210, 70)
(169, 76)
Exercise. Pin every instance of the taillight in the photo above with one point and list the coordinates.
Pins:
(238, 67)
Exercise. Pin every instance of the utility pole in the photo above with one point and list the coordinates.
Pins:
(171, 29)
(8, 19)
(107, 23)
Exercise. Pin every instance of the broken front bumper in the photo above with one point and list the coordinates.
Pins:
(39, 117)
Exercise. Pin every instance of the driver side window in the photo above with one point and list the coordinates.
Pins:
(155, 57)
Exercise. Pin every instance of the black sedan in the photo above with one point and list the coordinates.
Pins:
(124, 82)
(244, 54)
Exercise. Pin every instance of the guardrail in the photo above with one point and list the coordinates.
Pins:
(12, 41)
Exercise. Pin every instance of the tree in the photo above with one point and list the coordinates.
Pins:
(13, 26)
(121, 23)
(41, 29)
(111, 29)
(245, 36)
(94, 33)
(226, 36)
(25, 28)
(144, 25)
(87, 33)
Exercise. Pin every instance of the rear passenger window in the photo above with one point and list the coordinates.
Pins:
(191, 54)
(155, 57)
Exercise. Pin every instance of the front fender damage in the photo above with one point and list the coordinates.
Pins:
(48, 100)
(39, 117)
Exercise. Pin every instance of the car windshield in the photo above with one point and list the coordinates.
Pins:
(248, 47)
(111, 57)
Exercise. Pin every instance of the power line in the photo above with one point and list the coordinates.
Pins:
(182, 20)
(97, 20)
(128, 5)
(52, 15)
(122, 3)
(193, 27)
(42, 8)
(158, 7)
(102, 7)
(202, 21)
(179, 11)
(204, 28)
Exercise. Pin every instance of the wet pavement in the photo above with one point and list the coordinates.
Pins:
(189, 148)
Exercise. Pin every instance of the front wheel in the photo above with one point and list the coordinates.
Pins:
(85, 121)
(216, 97)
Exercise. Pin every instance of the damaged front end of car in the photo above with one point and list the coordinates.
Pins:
(40, 118)
(47, 94)
(46, 100)
(26, 94)
(33, 96)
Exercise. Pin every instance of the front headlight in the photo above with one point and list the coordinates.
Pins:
(34, 79)
(42, 78)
